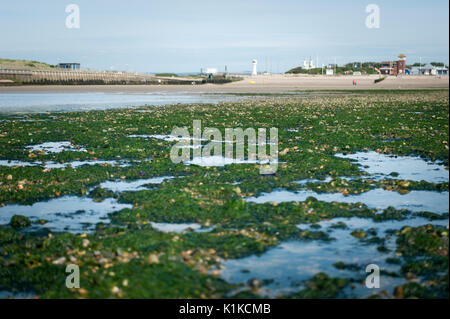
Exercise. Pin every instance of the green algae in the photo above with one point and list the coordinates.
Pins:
(115, 262)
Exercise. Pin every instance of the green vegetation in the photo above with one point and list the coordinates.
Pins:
(437, 63)
(24, 65)
(321, 287)
(166, 74)
(127, 257)
(349, 68)
(425, 250)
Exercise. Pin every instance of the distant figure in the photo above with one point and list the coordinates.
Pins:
(354, 82)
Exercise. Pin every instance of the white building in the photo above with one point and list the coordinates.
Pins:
(254, 71)
(308, 65)
(210, 71)
(428, 69)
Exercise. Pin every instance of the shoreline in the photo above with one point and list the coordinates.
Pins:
(257, 84)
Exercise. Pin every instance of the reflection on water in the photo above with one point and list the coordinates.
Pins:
(133, 186)
(215, 160)
(377, 198)
(83, 101)
(69, 213)
(292, 262)
(73, 164)
(54, 147)
(379, 166)
(405, 167)
(180, 227)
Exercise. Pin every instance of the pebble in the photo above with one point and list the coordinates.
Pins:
(85, 243)
(59, 261)
(153, 259)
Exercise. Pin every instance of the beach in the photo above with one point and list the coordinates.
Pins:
(275, 83)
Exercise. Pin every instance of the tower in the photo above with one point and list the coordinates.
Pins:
(401, 64)
(254, 72)
(305, 65)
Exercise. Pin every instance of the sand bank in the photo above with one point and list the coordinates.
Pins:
(261, 84)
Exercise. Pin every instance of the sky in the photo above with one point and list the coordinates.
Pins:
(187, 35)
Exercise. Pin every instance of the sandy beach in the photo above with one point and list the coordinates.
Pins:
(260, 84)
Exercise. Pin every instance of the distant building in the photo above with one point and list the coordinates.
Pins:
(441, 70)
(394, 67)
(424, 69)
(254, 65)
(69, 66)
(428, 69)
(308, 65)
(208, 71)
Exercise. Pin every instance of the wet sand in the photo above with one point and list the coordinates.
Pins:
(260, 84)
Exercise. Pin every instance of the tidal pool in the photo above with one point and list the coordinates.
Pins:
(167, 138)
(408, 168)
(133, 186)
(180, 227)
(13, 163)
(173, 138)
(222, 161)
(313, 180)
(73, 164)
(286, 266)
(70, 213)
(414, 201)
(76, 164)
(55, 147)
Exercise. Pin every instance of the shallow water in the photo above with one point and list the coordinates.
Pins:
(313, 180)
(76, 164)
(4, 294)
(167, 138)
(55, 147)
(173, 138)
(69, 213)
(73, 164)
(180, 227)
(13, 163)
(292, 262)
(377, 198)
(222, 161)
(407, 167)
(84, 101)
(133, 186)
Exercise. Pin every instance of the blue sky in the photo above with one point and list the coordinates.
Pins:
(186, 35)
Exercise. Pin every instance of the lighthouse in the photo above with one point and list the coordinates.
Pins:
(254, 72)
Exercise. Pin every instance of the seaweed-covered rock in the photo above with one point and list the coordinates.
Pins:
(19, 221)
(321, 286)
(358, 233)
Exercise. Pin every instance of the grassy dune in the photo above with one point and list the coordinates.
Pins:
(24, 65)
